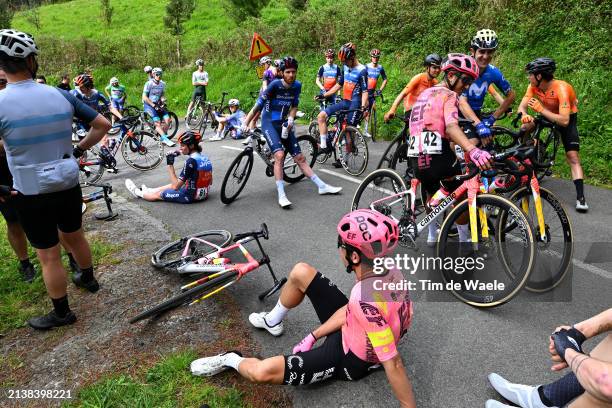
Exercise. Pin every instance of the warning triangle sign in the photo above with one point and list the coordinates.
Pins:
(259, 48)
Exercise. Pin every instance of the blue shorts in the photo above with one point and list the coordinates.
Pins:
(272, 133)
(117, 104)
(155, 114)
(353, 117)
(177, 196)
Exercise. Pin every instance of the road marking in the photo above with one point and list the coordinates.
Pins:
(591, 268)
(233, 148)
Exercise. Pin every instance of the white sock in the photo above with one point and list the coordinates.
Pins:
(432, 234)
(280, 187)
(464, 232)
(276, 315)
(323, 140)
(233, 360)
(315, 179)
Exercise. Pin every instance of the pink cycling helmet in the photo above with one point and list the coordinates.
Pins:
(371, 232)
(462, 63)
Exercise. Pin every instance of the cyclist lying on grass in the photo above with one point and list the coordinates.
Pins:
(360, 332)
(194, 181)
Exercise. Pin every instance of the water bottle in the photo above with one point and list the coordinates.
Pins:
(284, 132)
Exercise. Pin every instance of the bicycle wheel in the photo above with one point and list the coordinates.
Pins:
(373, 124)
(170, 256)
(186, 297)
(313, 131)
(131, 110)
(385, 160)
(90, 166)
(291, 171)
(195, 117)
(502, 262)
(555, 247)
(546, 151)
(208, 119)
(377, 185)
(236, 176)
(352, 150)
(174, 125)
(141, 150)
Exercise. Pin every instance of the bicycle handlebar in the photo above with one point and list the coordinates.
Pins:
(262, 233)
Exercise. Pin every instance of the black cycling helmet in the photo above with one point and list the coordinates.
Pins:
(84, 80)
(541, 65)
(190, 137)
(287, 63)
(432, 60)
(347, 51)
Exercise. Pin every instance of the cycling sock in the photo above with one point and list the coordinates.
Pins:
(25, 263)
(233, 360)
(315, 179)
(561, 392)
(464, 232)
(579, 183)
(432, 234)
(280, 187)
(323, 140)
(87, 274)
(61, 306)
(276, 315)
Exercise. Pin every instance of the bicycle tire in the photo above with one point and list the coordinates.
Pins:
(168, 257)
(517, 278)
(149, 148)
(291, 171)
(553, 278)
(174, 125)
(195, 117)
(350, 146)
(385, 160)
(207, 119)
(131, 110)
(373, 125)
(96, 169)
(185, 297)
(313, 131)
(382, 183)
(240, 173)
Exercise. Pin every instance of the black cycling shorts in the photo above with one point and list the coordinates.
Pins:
(199, 90)
(432, 170)
(7, 208)
(328, 360)
(42, 215)
(569, 134)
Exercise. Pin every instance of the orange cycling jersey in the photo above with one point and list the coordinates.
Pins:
(559, 98)
(417, 84)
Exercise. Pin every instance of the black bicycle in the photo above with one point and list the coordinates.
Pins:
(371, 121)
(202, 113)
(239, 171)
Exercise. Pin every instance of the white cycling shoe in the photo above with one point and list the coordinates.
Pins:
(524, 396)
(327, 189)
(165, 140)
(284, 202)
(259, 320)
(216, 138)
(209, 366)
(129, 184)
(497, 404)
(581, 205)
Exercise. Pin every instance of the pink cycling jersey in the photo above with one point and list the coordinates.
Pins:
(434, 109)
(376, 318)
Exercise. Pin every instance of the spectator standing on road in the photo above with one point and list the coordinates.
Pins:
(14, 233)
(589, 384)
(39, 151)
(199, 80)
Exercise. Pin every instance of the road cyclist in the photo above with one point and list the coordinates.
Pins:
(199, 80)
(153, 101)
(327, 76)
(375, 71)
(115, 91)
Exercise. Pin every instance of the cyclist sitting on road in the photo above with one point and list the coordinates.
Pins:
(354, 84)
(199, 80)
(433, 125)
(556, 101)
(234, 121)
(589, 384)
(149, 71)
(360, 332)
(482, 48)
(116, 93)
(328, 75)
(192, 184)
(278, 104)
(417, 84)
(152, 95)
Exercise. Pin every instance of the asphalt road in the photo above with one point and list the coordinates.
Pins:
(450, 347)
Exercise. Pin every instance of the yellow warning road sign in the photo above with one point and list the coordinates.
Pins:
(260, 71)
(259, 48)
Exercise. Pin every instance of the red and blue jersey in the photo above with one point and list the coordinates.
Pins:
(277, 100)
(477, 91)
(375, 72)
(197, 176)
(330, 74)
(354, 82)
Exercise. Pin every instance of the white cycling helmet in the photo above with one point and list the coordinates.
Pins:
(148, 69)
(233, 102)
(114, 80)
(199, 62)
(157, 70)
(265, 60)
(17, 44)
(485, 39)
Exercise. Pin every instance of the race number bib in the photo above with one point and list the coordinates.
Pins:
(425, 143)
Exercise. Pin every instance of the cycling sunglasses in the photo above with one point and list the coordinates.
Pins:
(341, 243)
(467, 80)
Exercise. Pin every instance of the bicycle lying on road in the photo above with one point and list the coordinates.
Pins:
(204, 253)
(239, 171)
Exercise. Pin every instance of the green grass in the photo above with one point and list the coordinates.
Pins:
(20, 300)
(168, 383)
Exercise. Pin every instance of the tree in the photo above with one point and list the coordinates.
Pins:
(106, 11)
(240, 10)
(6, 13)
(33, 16)
(177, 12)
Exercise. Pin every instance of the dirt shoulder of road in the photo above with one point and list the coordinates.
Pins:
(103, 343)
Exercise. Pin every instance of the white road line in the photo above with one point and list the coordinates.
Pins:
(591, 268)
(233, 148)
